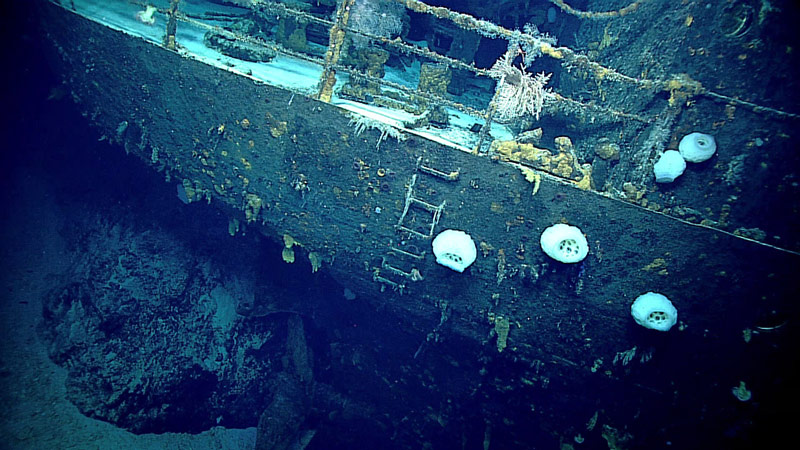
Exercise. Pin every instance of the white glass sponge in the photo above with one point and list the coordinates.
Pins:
(564, 243)
(454, 249)
(655, 311)
(669, 167)
(697, 147)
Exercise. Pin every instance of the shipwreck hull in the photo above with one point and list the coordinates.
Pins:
(292, 168)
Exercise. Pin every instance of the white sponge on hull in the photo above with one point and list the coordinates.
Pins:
(454, 249)
(564, 243)
(697, 147)
(655, 311)
(669, 166)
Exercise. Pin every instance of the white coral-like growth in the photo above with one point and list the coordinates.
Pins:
(361, 123)
(148, 15)
(518, 92)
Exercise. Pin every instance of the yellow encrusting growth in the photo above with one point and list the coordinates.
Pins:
(335, 41)
(549, 50)
(658, 265)
(681, 88)
(316, 261)
(501, 327)
(233, 226)
(288, 251)
(585, 183)
(252, 207)
(532, 177)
